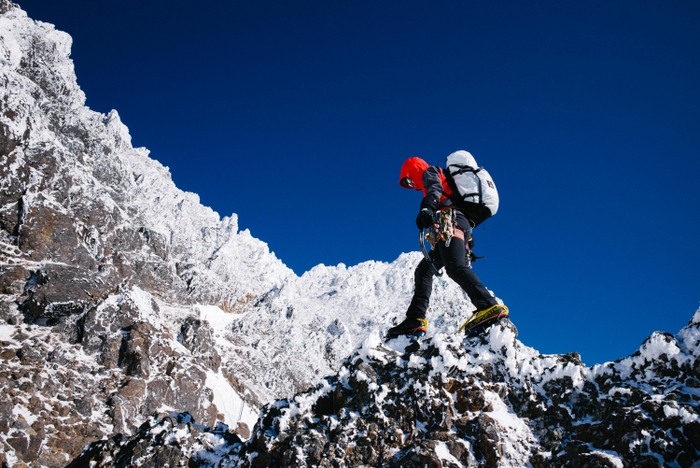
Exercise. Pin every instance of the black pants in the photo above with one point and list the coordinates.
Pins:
(453, 258)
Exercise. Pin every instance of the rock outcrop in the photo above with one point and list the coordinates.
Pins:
(91, 242)
(486, 401)
(123, 364)
(81, 204)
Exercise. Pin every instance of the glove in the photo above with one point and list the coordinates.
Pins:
(424, 219)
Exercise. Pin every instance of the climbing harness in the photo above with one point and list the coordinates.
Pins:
(444, 225)
(443, 229)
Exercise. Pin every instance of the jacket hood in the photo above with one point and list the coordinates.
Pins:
(413, 168)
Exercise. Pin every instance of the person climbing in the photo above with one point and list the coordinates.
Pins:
(452, 214)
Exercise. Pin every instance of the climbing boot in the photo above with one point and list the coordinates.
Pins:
(410, 326)
(483, 318)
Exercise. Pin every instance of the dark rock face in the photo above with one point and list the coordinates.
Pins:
(55, 291)
(90, 240)
(197, 336)
(119, 367)
(485, 401)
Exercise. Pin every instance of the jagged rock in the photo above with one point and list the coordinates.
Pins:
(13, 279)
(197, 336)
(76, 193)
(164, 440)
(390, 407)
(122, 367)
(55, 291)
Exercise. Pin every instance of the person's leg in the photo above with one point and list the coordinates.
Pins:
(423, 280)
(454, 259)
(415, 314)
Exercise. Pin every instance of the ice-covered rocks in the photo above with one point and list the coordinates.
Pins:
(486, 401)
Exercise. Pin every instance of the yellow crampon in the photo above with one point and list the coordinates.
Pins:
(423, 322)
(480, 317)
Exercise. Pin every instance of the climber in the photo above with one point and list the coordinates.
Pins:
(447, 210)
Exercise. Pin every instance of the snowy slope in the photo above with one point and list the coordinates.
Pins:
(484, 401)
(91, 172)
(312, 322)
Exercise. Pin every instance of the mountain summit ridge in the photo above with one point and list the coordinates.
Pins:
(485, 401)
(137, 320)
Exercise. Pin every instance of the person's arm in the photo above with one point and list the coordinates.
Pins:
(433, 189)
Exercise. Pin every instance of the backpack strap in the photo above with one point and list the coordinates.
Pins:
(476, 213)
(461, 169)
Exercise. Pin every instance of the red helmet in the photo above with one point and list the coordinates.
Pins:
(412, 173)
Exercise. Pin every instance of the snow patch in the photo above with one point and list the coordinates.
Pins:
(219, 320)
(675, 411)
(229, 402)
(612, 457)
(6, 332)
(443, 453)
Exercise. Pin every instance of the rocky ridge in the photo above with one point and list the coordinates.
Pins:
(486, 401)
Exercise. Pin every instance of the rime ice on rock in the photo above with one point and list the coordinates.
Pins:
(487, 401)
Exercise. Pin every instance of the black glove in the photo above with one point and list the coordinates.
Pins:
(424, 219)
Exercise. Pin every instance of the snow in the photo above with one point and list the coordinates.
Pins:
(519, 433)
(612, 457)
(217, 318)
(367, 351)
(617, 390)
(684, 415)
(6, 332)
(416, 362)
(689, 337)
(658, 345)
(23, 413)
(10, 51)
(229, 402)
(442, 451)
(399, 344)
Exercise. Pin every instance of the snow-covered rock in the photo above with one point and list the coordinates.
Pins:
(485, 401)
(75, 192)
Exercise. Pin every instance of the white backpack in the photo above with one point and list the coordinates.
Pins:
(474, 185)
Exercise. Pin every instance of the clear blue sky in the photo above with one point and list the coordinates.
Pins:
(297, 116)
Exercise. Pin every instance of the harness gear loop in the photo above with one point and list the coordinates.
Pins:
(444, 225)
